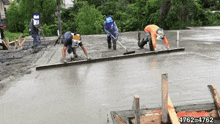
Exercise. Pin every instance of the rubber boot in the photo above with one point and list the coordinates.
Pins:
(109, 46)
(142, 43)
(114, 46)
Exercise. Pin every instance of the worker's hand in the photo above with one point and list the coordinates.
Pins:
(40, 30)
(155, 50)
(168, 48)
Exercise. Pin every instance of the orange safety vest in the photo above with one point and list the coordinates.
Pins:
(152, 29)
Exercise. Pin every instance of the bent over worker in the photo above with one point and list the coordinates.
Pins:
(110, 27)
(153, 33)
(71, 43)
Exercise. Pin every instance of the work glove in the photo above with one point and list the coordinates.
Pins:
(168, 48)
(155, 50)
(64, 60)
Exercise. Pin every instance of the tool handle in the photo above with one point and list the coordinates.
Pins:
(118, 42)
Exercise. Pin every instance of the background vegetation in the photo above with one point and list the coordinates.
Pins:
(88, 16)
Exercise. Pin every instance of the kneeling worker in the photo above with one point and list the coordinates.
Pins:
(71, 43)
(153, 33)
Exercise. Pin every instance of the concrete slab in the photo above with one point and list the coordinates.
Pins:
(87, 93)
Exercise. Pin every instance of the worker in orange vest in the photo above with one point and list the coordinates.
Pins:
(153, 33)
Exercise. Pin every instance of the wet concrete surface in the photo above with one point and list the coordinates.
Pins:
(85, 94)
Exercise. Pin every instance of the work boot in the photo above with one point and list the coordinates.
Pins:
(109, 46)
(75, 55)
(114, 46)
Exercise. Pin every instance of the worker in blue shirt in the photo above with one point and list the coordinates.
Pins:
(110, 27)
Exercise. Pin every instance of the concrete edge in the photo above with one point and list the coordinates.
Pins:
(109, 58)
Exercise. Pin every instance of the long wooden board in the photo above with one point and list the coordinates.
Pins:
(164, 97)
(108, 58)
(172, 113)
(215, 97)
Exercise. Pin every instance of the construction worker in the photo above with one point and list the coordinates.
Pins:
(153, 33)
(110, 27)
(34, 29)
(2, 36)
(71, 43)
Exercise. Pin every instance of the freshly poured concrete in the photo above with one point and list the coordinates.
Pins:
(85, 94)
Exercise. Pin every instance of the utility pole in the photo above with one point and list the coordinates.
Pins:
(59, 20)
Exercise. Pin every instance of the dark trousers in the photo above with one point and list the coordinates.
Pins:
(109, 39)
(36, 39)
(71, 49)
(144, 40)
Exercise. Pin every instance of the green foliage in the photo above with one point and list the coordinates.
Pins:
(89, 20)
(68, 16)
(12, 16)
(19, 15)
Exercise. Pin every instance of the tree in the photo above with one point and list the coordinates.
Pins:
(89, 20)
(24, 10)
(12, 20)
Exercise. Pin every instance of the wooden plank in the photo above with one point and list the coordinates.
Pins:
(164, 97)
(150, 119)
(119, 120)
(136, 109)
(215, 97)
(173, 116)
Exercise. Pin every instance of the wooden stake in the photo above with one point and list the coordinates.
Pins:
(215, 97)
(119, 120)
(172, 113)
(164, 97)
(137, 109)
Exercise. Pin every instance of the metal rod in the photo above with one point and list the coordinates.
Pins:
(177, 39)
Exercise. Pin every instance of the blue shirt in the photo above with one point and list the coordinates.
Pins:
(67, 39)
(113, 29)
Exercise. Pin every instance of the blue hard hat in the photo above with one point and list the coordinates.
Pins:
(109, 21)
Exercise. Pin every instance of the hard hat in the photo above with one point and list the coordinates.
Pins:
(160, 34)
(75, 43)
(109, 21)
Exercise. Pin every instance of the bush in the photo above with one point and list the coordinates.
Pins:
(89, 20)
(49, 30)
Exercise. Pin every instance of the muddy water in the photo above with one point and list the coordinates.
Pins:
(85, 94)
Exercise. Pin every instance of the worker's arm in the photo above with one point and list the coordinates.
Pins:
(84, 50)
(64, 52)
(105, 28)
(153, 38)
(3, 27)
(166, 42)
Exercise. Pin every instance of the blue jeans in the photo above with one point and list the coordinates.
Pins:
(36, 41)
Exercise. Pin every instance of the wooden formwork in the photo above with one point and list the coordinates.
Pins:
(168, 113)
